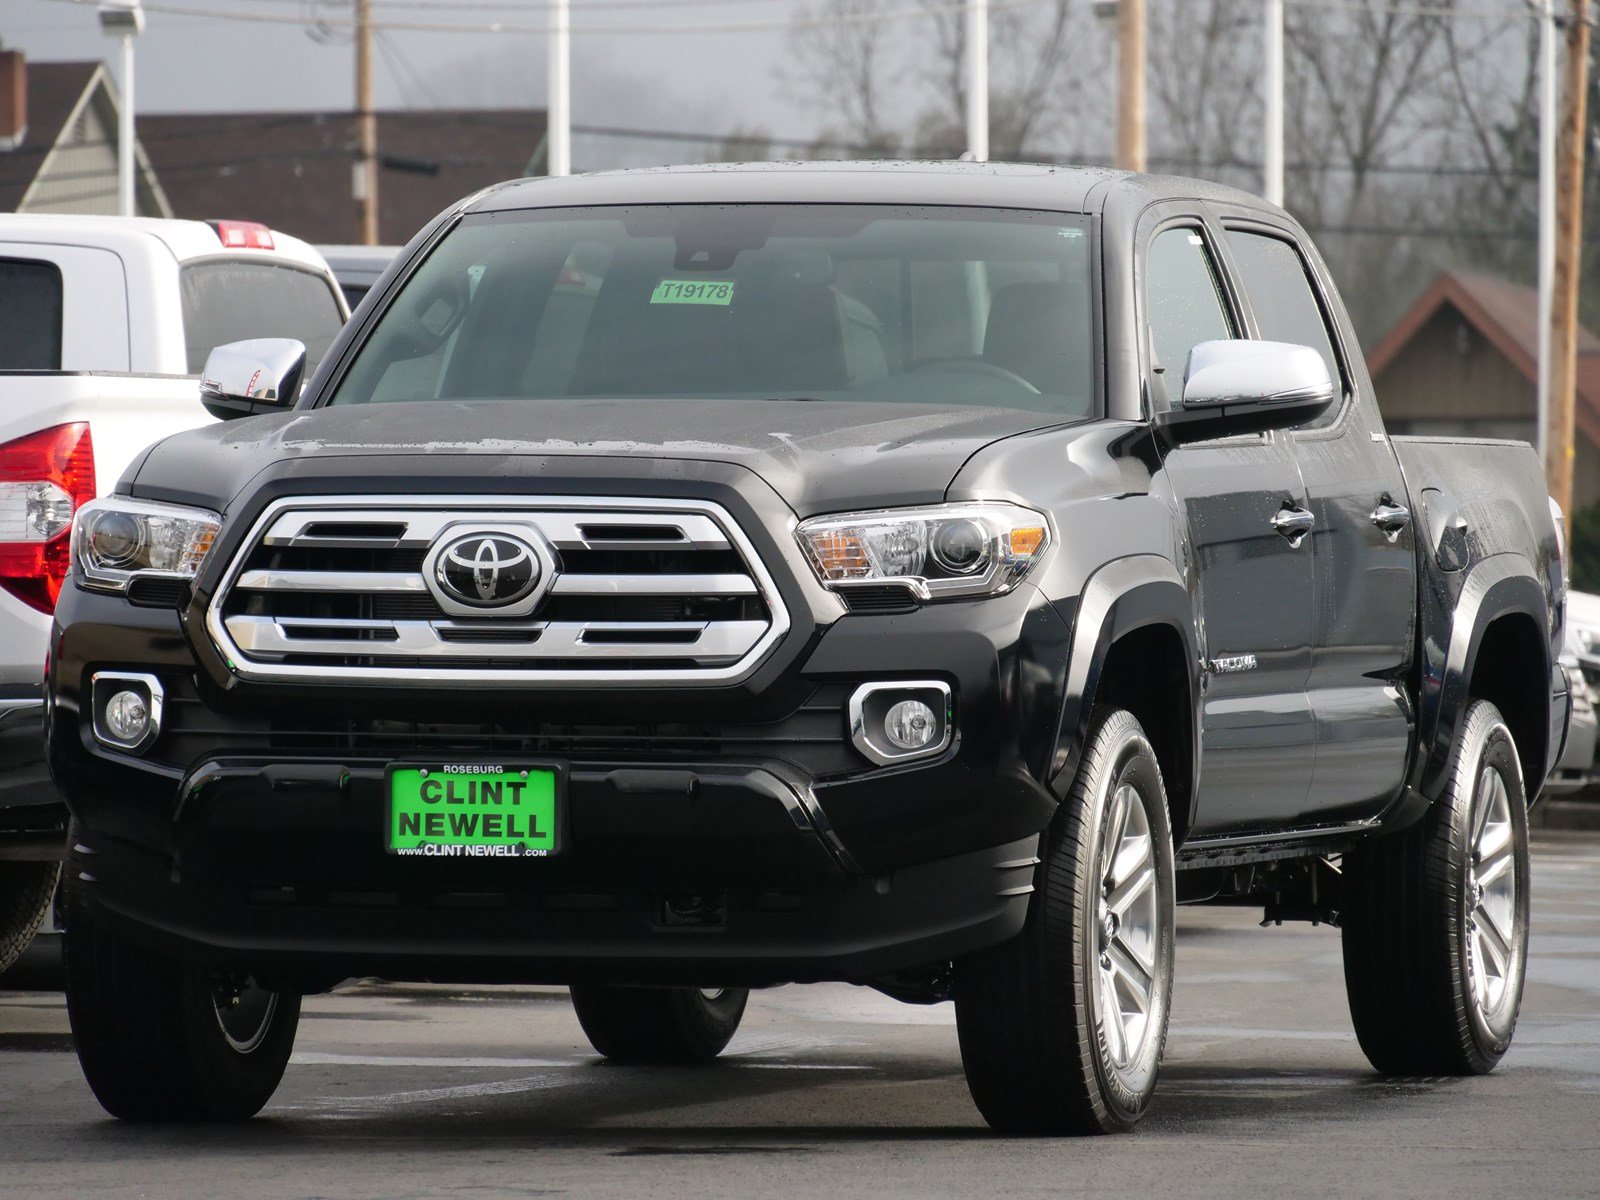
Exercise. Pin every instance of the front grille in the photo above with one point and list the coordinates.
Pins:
(811, 737)
(630, 591)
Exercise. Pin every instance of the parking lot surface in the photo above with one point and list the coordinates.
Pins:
(425, 1091)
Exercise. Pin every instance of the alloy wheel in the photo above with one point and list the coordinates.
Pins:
(1126, 929)
(1493, 950)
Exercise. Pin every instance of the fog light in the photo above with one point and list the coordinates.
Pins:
(911, 725)
(127, 716)
(896, 722)
(127, 710)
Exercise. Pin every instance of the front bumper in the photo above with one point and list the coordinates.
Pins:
(306, 918)
(715, 839)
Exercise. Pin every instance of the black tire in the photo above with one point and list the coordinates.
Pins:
(1039, 1058)
(659, 1025)
(26, 890)
(150, 1033)
(1423, 911)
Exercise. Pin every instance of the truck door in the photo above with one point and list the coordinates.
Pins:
(1362, 556)
(1250, 575)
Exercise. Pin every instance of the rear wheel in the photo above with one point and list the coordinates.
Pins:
(659, 1025)
(164, 1040)
(1436, 919)
(1062, 1028)
(26, 890)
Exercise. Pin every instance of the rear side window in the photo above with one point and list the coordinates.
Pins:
(1275, 278)
(30, 315)
(1183, 301)
(230, 301)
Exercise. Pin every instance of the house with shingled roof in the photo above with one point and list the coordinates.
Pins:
(1464, 362)
(58, 140)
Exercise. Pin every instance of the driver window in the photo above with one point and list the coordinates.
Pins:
(1183, 304)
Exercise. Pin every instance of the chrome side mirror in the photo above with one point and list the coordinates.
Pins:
(242, 379)
(1238, 386)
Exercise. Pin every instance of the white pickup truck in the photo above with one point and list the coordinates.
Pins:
(105, 323)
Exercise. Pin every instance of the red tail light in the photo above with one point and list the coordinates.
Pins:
(44, 478)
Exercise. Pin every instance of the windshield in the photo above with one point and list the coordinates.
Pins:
(831, 302)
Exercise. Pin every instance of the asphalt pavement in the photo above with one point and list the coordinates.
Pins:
(422, 1091)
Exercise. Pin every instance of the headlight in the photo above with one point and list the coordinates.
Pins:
(945, 551)
(116, 539)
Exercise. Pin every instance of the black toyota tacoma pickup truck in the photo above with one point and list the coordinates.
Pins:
(678, 582)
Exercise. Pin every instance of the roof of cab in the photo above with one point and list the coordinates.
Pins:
(1041, 186)
(184, 240)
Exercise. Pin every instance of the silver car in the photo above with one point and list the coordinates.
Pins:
(1582, 661)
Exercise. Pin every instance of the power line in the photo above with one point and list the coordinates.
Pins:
(526, 5)
(222, 125)
(1036, 154)
(497, 27)
(1511, 8)
(876, 16)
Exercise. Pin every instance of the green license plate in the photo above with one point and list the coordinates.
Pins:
(474, 810)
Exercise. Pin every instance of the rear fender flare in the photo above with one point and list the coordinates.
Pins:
(1124, 595)
(1499, 586)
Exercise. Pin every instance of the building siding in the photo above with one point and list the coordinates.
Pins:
(80, 174)
(1451, 369)
(1450, 381)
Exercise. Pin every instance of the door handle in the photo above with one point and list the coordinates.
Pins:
(1294, 524)
(1391, 518)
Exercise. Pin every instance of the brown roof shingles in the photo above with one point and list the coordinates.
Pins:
(293, 170)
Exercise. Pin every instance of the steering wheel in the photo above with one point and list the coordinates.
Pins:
(979, 366)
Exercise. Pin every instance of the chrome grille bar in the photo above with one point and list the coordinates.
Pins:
(725, 641)
(331, 581)
(564, 530)
(565, 585)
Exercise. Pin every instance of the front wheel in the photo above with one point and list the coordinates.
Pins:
(659, 1025)
(164, 1040)
(1436, 919)
(1062, 1028)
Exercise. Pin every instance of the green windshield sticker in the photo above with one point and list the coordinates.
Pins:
(692, 291)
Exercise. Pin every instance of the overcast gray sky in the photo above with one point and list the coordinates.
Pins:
(702, 81)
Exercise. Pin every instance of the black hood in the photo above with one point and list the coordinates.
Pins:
(820, 456)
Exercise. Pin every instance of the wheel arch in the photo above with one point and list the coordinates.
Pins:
(1499, 650)
(1134, 646)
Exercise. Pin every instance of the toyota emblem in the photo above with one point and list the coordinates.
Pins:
(487, 570)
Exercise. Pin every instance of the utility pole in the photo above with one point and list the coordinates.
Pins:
(1548, 120)
(558, 115)
(367, 171)
(124, 19)
(127, 203)
(1130, 85)
(1272, 98)
(1568, 252)
(978, 80)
